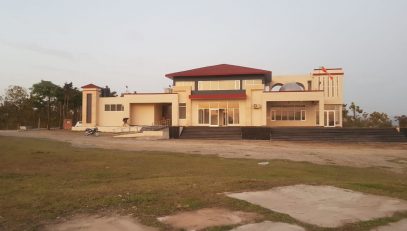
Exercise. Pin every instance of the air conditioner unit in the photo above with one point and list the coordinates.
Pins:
(256, 106)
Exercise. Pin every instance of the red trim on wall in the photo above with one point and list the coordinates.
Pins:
(219, 96)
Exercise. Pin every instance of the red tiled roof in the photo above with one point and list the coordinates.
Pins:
(91, 86)
(219, 96)
(219, 70)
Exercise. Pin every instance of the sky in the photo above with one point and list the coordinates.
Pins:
(135, 43)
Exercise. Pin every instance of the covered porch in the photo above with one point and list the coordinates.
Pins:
(150, 114)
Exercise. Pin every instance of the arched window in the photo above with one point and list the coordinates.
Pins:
(292, 87)
(301, 85)
(276, 87)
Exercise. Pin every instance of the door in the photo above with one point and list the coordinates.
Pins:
(329, 118)
(214, 117)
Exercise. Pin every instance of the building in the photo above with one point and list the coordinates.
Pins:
(225, 95)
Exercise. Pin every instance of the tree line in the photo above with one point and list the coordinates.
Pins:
(44, 105)
(354, 116)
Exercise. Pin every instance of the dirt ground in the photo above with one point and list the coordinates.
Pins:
(392, 156)
(324, 206)
(99, 223)
(204, 218)
(269, 226)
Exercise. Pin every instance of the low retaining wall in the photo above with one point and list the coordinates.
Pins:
(256, 133)
(403, 131)
(174, 132)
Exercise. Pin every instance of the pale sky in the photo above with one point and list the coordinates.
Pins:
(135, 43)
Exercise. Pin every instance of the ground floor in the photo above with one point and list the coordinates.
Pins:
(218, 113)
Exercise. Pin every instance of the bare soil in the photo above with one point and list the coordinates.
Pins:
(324, 206)
(204, 218)
(99, 223)
(269, 226)
(392, 156)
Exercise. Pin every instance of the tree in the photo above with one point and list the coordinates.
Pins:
(15, 107)
(45, 95)
(379, 120)
(355, 110)
(402, 121)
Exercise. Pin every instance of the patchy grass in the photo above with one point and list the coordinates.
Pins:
(43, 180)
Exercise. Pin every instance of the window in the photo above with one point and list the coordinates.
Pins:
(219, 85)
(182, 110)
(88, 108)
(185, 83)
(276, 87)
(114, 107)
(251, 82)
(230, 109)
(287, 114)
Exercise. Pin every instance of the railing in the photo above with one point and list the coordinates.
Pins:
(163, 122)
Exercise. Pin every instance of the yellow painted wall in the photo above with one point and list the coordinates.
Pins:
(142, 114)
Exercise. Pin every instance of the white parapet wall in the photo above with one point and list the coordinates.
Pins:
(112, 129)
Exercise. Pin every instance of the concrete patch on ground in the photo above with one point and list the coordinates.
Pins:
(269, 226)
(324, 206)
(203, 218)
(100, 223)
(395, 226)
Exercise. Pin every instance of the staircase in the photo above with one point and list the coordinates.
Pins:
(212, 133)
(337, 134)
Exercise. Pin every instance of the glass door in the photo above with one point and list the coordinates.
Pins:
(214, 117)
(329, 120)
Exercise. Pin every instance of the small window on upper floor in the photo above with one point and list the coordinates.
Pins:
(185, 83)
(251, 82)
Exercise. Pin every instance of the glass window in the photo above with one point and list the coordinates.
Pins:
(119, 107)
(291, 115)
(185, 83)
(113, 107)
(303, 115)
(236, 116)
(297, 115)
(107, 107)
(182, 111)
(203, 116)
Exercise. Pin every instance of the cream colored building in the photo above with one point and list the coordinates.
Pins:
(225, 95)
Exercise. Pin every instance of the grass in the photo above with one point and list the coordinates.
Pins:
(43, 180)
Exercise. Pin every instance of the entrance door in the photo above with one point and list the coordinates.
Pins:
(329, 118)
(214, 117)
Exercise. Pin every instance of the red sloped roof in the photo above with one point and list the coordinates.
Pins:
(219, 70)
(91, 86)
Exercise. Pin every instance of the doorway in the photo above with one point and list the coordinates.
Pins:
(214, 117)
(329, 118)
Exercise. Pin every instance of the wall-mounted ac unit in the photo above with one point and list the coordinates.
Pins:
(256, 106)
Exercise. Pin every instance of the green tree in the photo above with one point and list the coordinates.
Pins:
(15, 107)
(379, 120)
(45, 96)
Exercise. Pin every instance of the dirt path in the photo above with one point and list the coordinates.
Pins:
(386, 155)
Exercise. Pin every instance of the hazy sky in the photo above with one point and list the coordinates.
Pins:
(135, 43)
